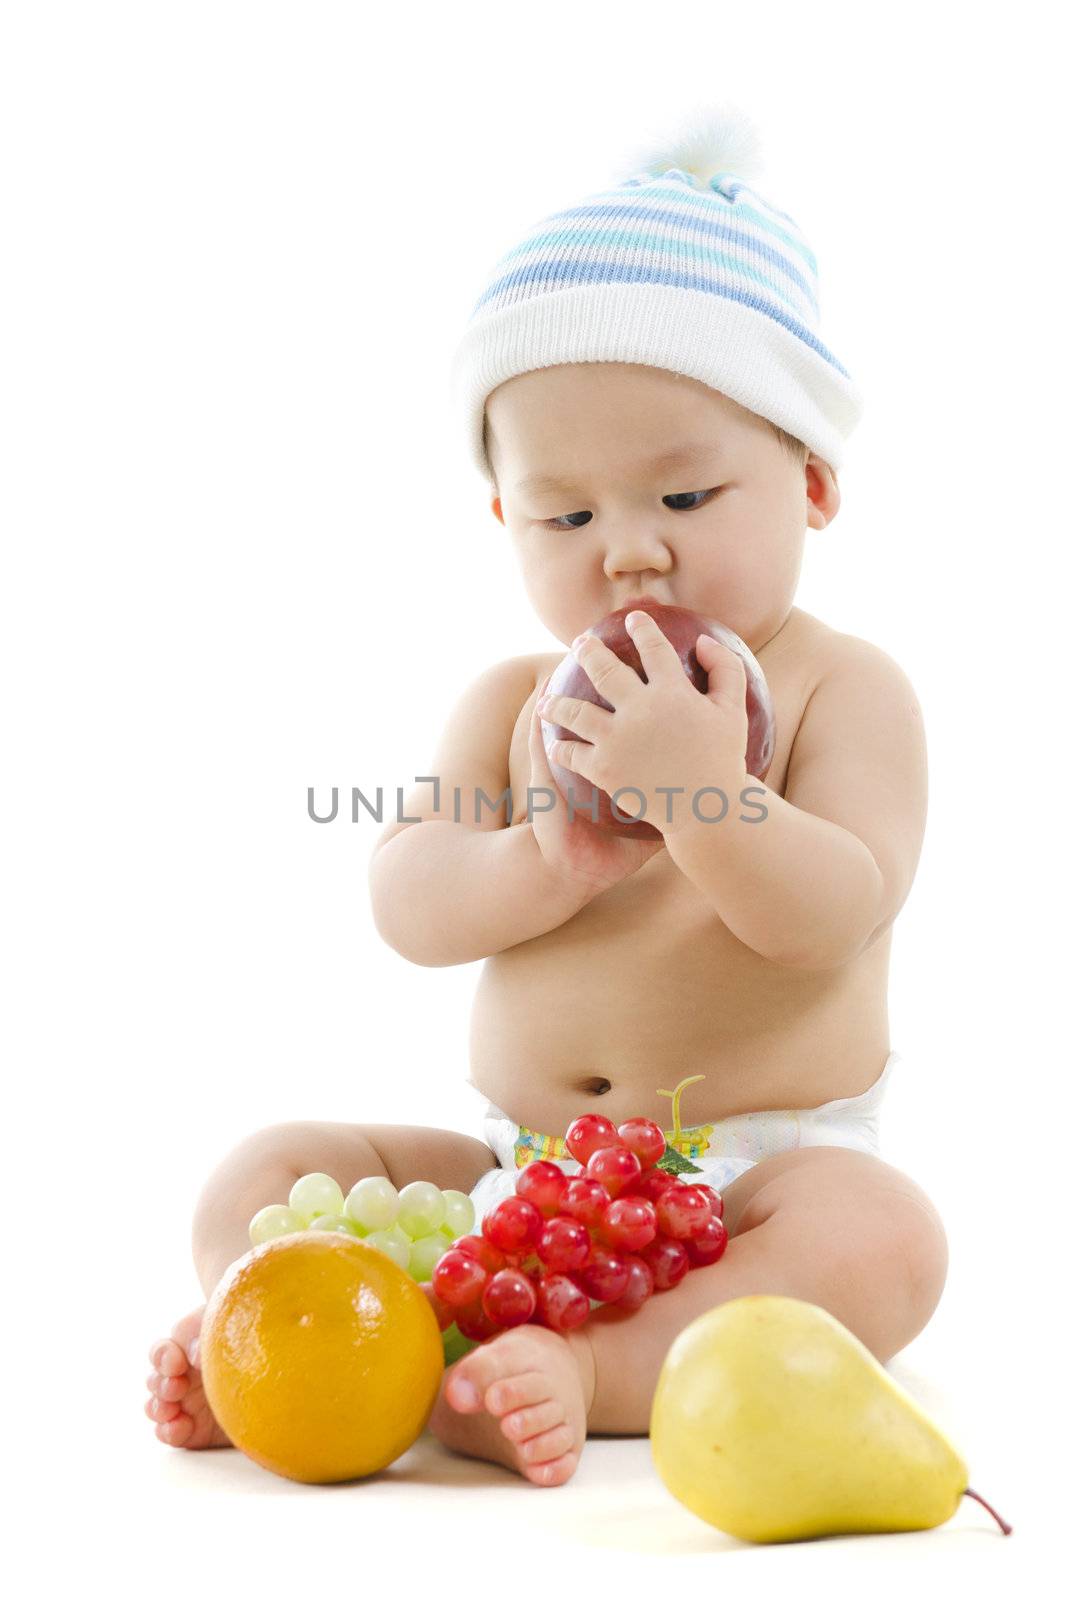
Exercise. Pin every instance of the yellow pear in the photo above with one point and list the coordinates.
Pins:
(772, 1421)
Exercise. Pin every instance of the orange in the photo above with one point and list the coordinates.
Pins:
(321, 1358)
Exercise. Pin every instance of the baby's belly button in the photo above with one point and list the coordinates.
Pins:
(595, 1086)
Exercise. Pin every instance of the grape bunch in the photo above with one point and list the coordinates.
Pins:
(617, 1232)
(413, 1226)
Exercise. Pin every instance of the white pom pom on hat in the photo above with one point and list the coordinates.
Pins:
(704, 144)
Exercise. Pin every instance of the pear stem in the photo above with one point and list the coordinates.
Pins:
(1005, 1527)
(674, 1095)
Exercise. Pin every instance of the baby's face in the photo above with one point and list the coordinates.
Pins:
(720, 531)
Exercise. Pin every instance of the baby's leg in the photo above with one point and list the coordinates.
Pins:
(839, 1228)
(262, 1170)
(835, 1227)
(259, 1172)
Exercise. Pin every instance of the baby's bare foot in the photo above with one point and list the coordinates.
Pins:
(178, 1406)
(519, 1399)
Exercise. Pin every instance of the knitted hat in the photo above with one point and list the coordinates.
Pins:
(680, 266)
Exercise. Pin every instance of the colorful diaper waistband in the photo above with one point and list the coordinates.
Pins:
(530, 1146)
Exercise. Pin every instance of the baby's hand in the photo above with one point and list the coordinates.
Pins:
(574, 847)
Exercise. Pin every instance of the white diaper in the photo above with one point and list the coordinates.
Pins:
(732, 1146)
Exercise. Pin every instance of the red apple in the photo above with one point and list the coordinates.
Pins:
(682, 627)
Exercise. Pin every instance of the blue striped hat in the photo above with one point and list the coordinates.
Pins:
(680, 266)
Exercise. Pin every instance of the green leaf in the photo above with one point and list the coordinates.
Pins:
(672, 1160)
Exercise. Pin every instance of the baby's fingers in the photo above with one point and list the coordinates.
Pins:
(537, 736)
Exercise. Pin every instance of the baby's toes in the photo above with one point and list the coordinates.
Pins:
(520, 1389)
(173, 1426)
(169, 1358)
(550, 1473)
(161, 1411)
(527, 1422)
(167, 1388)
(547, 1446)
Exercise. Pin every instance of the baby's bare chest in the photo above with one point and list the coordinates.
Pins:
(654, 929)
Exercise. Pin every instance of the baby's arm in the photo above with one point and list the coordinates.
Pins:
(823, 875)
(443, 891)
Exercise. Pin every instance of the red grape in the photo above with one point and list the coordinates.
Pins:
(542, 1183)
(683, 1211)
(669, 1260)
(487, 1255)
(645, 1138)
(513, 1225)
(564, 1244)
(639, 1286)
(604, 1276)
(713, 1195)
(629, 1223)
(585, 1199)
(444, 1313)
(707, 1245)
(509, 1298)
(457, 1278)
(473, 1323)
(561, 1303)
(652, 1184)
(589, 1133)
(617, 1168)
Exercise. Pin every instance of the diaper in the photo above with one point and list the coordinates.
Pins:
(722, 1150)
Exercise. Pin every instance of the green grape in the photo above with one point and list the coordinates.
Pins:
(425, 1253)
(272, 1221)
(459, 1213)
(334, 1224)
(372, 1203)
(420, 1209)
(393, 1242)
(316, 1195)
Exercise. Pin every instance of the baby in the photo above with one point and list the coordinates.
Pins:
(642, 386)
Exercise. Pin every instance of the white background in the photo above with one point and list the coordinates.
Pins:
(244, 552)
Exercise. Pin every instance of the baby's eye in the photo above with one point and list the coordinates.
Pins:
(562, 522)
(692, 494)
(700, 495)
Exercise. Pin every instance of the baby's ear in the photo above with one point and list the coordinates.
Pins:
(497, 511)
(824, 497)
